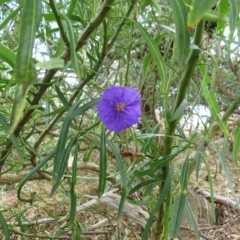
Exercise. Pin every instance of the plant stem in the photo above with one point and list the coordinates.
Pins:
(158, 229)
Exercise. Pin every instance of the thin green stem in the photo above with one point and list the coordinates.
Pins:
(158, 229)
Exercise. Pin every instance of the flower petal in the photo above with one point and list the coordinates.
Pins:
(114, 119)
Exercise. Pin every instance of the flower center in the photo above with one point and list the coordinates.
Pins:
(121, 106)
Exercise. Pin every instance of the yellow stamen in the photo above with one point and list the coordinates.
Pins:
(121, 106)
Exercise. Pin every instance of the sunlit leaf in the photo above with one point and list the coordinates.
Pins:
(197, 11)
(182, 34)
(51, 64)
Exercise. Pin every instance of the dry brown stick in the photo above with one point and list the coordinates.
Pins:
(15, 178)
(217, 198)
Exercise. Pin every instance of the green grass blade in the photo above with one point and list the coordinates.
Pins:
(31, 174)
(73, 196)
(212, 101)
(226, 172)
(72, 38)
(4, 227)
(92, 103)
(60, 163)
(9, 18)
(161, 199)
(233, 15)
(12, 138)
(191, 219)
(142, 184)
(236, 145)
(154, 50)
(182, 34)
(62, 98)
(119, 164)
(103, 164)
(179, 201)
(7, 55)
(179, 111)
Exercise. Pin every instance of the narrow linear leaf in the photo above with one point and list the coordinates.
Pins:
(212, 101)
(62, 98)
(9, 18)
(4, 227)
(236, 145)
(60, 165)
(191, 219)
(18, 106)
(233, 15)
(12, 138)
(154, 50)
(73, 195)
(179, 202)
(160, 201)
(7, 55)
(103, 164)
(182, 34)
(74, 59)
(197, 11)
(24, 69)
(142, 184)
(31, 174)
(120, 165)
(226, 172)
(213, 16)
(222, 8)
(180, 110)
(51, 64)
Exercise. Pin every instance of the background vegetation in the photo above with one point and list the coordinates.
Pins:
(57, 57)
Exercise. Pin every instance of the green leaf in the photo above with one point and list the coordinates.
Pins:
(62, 153)
(18, 106)
(53, 63)
(142, 184)
(74, 59)
(222, 8)
(9, 18)
(31, 174)
(62, 98)
(212, 101)
(120, 165)
(226, 172)
(160, 201)
(197, 11)
(179, 201)
(4, 227)
(233, 15)
(236, 145)
(103, 164)
(73, 195)
(12, 138)
(191, 219)
(182, 34)
(7, 55)
(60, 164)
(25, 71)
(154, 50)
(180, 110)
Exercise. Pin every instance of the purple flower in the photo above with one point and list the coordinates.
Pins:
(119, 108)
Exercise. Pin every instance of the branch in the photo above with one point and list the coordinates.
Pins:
(105, 8)
(15, 178)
